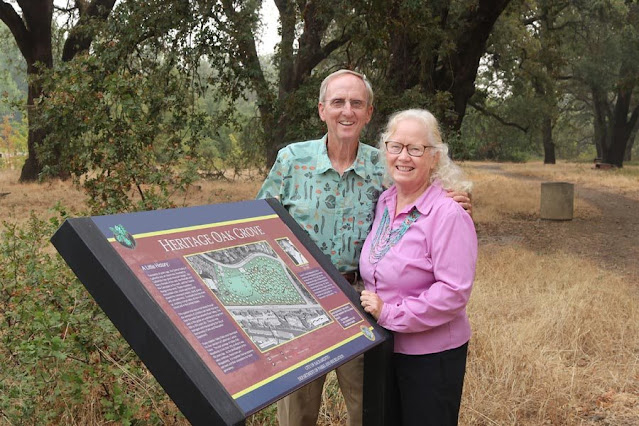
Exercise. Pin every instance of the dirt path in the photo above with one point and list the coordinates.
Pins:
(610, 239)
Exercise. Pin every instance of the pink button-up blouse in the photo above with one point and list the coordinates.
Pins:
(425, 279)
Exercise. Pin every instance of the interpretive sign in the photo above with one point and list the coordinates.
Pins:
(231, 306)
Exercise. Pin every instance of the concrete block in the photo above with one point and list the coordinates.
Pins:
(557, 200)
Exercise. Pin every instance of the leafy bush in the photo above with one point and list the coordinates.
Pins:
(123, 121)
(61, 359)
(126, 142)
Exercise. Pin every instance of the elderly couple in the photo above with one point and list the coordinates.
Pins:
(414, 247)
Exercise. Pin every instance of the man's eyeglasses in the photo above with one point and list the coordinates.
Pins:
(413, 150)
(340, 103)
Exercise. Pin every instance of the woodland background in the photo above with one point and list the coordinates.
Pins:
(136, 91)
(115, 106)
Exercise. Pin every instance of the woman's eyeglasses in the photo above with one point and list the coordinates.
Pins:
(413, 150)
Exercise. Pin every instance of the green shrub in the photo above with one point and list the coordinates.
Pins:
(61, 359)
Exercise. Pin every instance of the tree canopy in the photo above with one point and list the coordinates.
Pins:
(533, 73)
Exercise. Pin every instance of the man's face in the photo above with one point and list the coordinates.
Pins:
(345, 108)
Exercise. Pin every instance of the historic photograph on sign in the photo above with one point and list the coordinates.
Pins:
(289, 248)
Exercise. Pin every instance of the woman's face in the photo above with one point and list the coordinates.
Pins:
(411, 173)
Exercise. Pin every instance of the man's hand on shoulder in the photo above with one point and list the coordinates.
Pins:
(464, 200)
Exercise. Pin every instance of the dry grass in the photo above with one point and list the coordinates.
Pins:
(214, 192)
(546, 349)
(623, 181)
(496, 197)
(555, 334)
(17, 200)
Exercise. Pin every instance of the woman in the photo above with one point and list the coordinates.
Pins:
(418, 266)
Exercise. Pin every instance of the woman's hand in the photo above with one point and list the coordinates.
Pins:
(464, 200)
(371, 303)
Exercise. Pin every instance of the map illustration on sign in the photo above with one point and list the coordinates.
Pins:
(261, 293)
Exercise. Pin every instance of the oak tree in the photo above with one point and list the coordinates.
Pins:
(31, 26)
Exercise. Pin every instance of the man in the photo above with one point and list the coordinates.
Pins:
(330, 187)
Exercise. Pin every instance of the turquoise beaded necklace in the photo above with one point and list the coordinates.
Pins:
(385, 237)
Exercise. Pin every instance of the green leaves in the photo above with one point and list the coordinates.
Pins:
(124, 118)
(60, 357)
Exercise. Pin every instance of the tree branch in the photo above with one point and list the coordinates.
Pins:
(10, 17)
(335, 44)
(248, 51)
(24, 5)
(286, 57)
(80, 39)
(65, 9)
(311, 52)
(496, 117)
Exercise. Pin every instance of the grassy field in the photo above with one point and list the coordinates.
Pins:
(554, 310)
(555, 329)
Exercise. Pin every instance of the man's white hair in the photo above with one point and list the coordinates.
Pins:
(369, 88)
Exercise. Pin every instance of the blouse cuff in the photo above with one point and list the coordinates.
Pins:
(383, 316)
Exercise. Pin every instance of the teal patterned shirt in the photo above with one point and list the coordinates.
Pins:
(336, 211)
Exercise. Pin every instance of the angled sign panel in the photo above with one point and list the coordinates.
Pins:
(231, 306)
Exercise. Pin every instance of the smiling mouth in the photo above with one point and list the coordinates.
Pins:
(346, 123)
(404, 168)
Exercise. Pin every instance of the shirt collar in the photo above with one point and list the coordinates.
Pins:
(324, 163)
(424, 203)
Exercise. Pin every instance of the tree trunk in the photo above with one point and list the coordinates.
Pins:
(35, 44)
(620, 128)
(549, 145)
(32, 32)
(464, 61)
(79, 39)
(455, 71)
(546, 94)
(32, 167)
(295, 65)
(600, 106)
